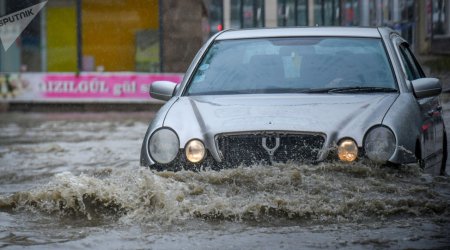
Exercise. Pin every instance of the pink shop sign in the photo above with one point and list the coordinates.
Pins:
(101, 86)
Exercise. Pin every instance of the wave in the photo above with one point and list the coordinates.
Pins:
(327, 192)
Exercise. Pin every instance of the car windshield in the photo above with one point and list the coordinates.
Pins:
(293, 65)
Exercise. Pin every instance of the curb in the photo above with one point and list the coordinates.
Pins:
(78, 107)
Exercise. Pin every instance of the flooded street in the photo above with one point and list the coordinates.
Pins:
(73, 180)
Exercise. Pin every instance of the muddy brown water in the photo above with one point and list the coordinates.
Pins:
(72, 180)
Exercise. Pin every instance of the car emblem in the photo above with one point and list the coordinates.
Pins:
(271, 151)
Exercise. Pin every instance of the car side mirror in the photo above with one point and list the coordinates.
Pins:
(426, 87)
(162, 90)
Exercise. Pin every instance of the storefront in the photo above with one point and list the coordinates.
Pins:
(440, 28)
(86, 35)
(163, 35)
(408, 17)
(83, 51)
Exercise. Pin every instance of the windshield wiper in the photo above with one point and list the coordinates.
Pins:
(356, 89)
(361, 89)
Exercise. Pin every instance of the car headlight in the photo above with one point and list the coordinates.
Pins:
(379, 144)
(347, 150)
(164, 145)
(195, 151)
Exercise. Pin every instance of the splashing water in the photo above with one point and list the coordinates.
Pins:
(328, 192)
(68, 181)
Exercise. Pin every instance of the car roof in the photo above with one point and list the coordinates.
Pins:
(301, 31)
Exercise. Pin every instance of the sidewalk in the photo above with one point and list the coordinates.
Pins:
(78, 107)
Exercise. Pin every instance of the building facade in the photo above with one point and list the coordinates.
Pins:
(425, 24)
(164, 35)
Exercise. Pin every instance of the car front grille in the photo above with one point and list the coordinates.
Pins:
(248, 149)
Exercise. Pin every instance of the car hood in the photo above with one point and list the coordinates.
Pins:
(336, 115)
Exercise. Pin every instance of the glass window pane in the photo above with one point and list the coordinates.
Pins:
(25, 53)
(61, 36)
(235, 14)
(286, 13)
(418, 72)
(439, 18)
(127, 45)
(350, 13)
(115, 36)
(336, 12)
(302, 12)
(252, 13)
(286, 65)
(411, 71)
(318, 13)
(248, 14)
(328, 13)
(215, 16)
(259, 9)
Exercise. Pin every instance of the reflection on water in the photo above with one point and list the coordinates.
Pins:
(65, 183)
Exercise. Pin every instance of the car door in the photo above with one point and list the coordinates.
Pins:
(436, 109)
(428, 106)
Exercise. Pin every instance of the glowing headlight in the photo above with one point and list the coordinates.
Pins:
(347, 150)
(164, 146)
(195, 151)
(379, 144)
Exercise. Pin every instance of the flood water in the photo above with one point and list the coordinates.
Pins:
(72, 180)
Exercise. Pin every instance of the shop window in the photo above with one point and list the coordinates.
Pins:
(441, 23)
(25, 53)
(120, 35)
(318, 13)
(292, 13)
(399, 15)
(247, 13)
(235, 14)
(350, 12)
(215, 16)
(330, 12)
(302, 13)
(326, 12)
(85, 35)
(61, 49)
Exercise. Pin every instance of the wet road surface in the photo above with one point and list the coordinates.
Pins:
(73, 181)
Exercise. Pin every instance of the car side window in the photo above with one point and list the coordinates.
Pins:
(412, 68)
(407, 67)
(414, 60)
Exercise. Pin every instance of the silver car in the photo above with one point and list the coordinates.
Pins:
(303, 95)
